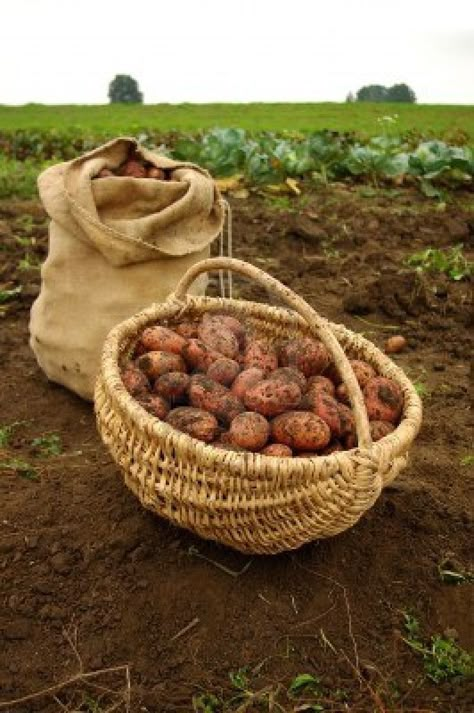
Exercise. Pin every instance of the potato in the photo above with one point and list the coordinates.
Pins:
(395, 344)
(155, 172)
(204, 393)
(300, 430)
(342, 395)
(132, 168)
(332, 374)
(162, 339)
(219, 338)
(288, 374)
(363, 371)
(246, 380)
(383, 400)
(188, 330)
(272, 397)
(198, 355)
(105, 173)
(249, 430)
(156, 405)
(278, 450)
(260, 354)
(334, 446)
(379, 429)
(325, 407)
(321, 383)
(350, 441)
(135, 380)
(173, 386)
(347, 421)
(227, 321)
(308, 355)
(193, 421)
(156, 363)
(224, 371)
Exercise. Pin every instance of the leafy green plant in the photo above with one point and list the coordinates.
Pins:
(450, 262)
(206, 703)
(20, 467)
(467, 460)
(421, 389)
(6, 295)
(48, 445)
(443, 658)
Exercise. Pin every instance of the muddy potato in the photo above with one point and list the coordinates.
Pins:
(332, 374)
(383, 400)
(105, 173)
(173, 386)
(325, 407)
(272, 397)
(347, 421)
(249, 430)
(193, 421)
(188, 330)
(133, 169)
(246, 380)
(155, 172)
(199, 355)
(228, 321)
(321, 383)
(380, 429)
(261, 355)
(342, 394)
(219, 338)
(395, 344)
(300, 430)
(135, 380)
(288, 374)
(162, 339)
(278, 450)
(154, 364)
(363, 371)
(308, 355)
(156, 405)
(334, 446)
(206, 394)
(224, 371)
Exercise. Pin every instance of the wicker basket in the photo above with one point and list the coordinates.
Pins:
(254, 503)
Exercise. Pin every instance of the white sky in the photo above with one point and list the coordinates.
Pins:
(68, 51)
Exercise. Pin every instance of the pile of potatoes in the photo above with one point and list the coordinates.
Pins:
(215, 381)
(136, 167)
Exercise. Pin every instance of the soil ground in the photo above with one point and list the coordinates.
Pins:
(92, 584)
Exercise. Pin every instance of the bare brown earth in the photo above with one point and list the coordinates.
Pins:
(92, 584)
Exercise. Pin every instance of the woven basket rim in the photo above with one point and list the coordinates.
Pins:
(121, 338)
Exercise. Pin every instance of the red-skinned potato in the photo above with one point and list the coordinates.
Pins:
(135, 380)
(261, 355)
(321, 383)
(332, 374)
(272, 397)
(395, 344)
(277, 450)
(105, 173)
(342, 395)
(249, 430)
(288, 374)
(325, 407)
(156, 405)
(228, 321)
(198, 355)
(172, 386)
(363, 371)
(206, 394)
(380, 429)
(154, 364)
(246, 380)
(193, 421)
(347, 421)
(383, 400)
(224, 371)
(188, 330)
(335, 446)
(300, 430)
(308, 355)
(132, 168)
(219, 338)
(162, 339)
(155, 172)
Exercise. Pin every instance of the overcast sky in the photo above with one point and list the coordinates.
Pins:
(68, 51)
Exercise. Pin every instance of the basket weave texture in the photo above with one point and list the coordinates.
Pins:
(253, 503)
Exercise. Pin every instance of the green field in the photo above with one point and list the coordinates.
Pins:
(434, 120)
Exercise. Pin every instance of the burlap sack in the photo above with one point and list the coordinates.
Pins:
(115, 245)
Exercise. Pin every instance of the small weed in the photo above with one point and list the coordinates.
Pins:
(6, 432)
(6, 295)
(206, 703)
(467, 460)
(443, 658)
(448, 262)
(29, 262)
(305, 683)
(421, 389)
(20, 467)
(450, 574)
(49, 445)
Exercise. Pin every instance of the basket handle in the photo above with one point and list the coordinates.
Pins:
(317, 323)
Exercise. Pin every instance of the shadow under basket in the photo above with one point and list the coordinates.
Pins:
(251, 502)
